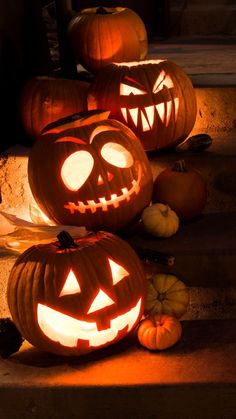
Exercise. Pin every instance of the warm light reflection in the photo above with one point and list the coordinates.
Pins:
(76, 169)
(118, 272)
(71, 285)
(137, 63)
(68, 331)
(101, 300)
(117, 155)
(100, 129)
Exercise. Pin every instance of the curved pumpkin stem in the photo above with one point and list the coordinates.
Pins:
(76, 120)
(102, 11)
(66, 241)
(179, 166)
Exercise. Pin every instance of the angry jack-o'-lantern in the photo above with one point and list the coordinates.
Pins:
(74, 296)
(90, 171)
(154, 98)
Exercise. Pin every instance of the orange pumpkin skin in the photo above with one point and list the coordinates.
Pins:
(110, 194)
(159, 331)
(46, 99)
(113, 34)
(184, 191)
(155, 98)
(59, 316)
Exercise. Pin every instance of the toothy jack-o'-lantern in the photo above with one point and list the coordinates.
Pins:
(71, 297)
(90, 171)
(154, 98)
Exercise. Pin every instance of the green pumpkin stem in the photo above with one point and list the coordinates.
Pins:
(66, 241)
(179, 166)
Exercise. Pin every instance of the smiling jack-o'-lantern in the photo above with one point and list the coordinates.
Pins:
(155, 98)
(74, 296)
(90, 171)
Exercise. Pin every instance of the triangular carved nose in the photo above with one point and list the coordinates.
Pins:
(101, 300)
(100, 180)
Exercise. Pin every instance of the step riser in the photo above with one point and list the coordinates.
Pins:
(201, 19)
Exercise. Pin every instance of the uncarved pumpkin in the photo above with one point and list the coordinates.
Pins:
(46, 99)
(99, 36)
(166, 294)
(155, 98)
(183, 189)
(72, 297)
(159, 331)
(160, 220)
(90, 171)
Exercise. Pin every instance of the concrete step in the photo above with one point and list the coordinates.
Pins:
(209, 61)
(217, 165)
(198, 17)
(205, 259)
(194, 379)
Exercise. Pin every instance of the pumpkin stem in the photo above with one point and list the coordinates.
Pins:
(66, 241)
(102, 11)
(179, 166)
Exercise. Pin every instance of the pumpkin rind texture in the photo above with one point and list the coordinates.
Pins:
(160, 220)
(46, 99)
(75, 300)
(91, 172)
(159, 332)
(114, 34)
(166, 294)
(184, 191)
(155, 98)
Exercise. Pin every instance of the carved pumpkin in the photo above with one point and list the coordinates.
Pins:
(160, 220)
(159, 331)
(166, 294)
(184, 190)
(90, 171)
(99, 36)
(46, 99)
(154, 98)
(75, 296)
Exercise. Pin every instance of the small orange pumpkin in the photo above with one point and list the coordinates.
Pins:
(159, 331)
(99, 36)
(183, 189)
(46, 99)
(72, 297)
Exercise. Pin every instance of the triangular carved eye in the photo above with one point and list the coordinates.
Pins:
(117, 271)
(71, 285)
(126, 90)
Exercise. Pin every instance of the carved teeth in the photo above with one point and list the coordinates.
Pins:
(124, 113)
(134, 115)
(145, 123)
(92, 205)
(126, 193)
(150, 115)
(115, 203)
(161, 111)
(176, 101)
(104, 203)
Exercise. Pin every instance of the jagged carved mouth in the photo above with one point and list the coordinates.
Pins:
(67, 330)
(146, 116)
(103, 203)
